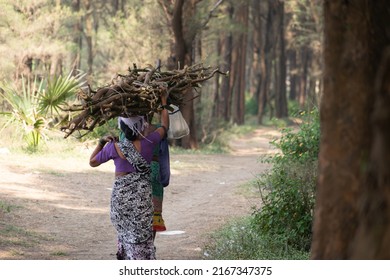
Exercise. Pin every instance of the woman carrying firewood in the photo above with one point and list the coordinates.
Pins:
(131, 199)
(160, 176)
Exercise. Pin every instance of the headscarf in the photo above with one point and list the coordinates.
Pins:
(136, 124)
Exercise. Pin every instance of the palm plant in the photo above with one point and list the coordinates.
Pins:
(36, 103)
(58, 91)
(24, 114)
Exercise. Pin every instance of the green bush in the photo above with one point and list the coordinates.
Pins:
(250, 105)
(289, 187)
(281, 228)
(35, 104)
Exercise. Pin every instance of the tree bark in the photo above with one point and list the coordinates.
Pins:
(179, 13)
(267, 56)
(372, 239)
(303, 75)
(256, 77)
(118, 6)
(226, 53)
(292, 58)
(280, 79)
(183, 50)
(239, 80)
(352, 214)
(216, 87)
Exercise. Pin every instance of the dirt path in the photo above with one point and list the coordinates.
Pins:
(58, 208)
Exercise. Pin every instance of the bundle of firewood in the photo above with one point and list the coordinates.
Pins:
(135, 93)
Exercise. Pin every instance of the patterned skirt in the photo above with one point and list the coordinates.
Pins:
(132, 216)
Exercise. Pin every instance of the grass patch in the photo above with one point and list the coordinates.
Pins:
(11, 236)
(238, 240)
(53, 172)
(59, 254)
(5, 207)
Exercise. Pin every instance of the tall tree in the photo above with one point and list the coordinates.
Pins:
(280, 65)
(118, 6)
(257, 40)
(177, 12)
(226, 41)
(267, 56)
(183, 21)
(352, 214)
(239, 62)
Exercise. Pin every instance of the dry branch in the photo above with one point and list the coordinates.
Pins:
(136, 93)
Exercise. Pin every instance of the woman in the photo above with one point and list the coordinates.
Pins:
(131, 199)
(160, 167)
(160, 176)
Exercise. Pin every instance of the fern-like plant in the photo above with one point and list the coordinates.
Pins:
(24, 115)
(36, 104)
(57, 92)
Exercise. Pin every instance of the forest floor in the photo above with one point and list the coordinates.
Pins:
(58, 207)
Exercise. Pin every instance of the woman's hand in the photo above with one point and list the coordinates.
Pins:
(164, 115)
(107, 138)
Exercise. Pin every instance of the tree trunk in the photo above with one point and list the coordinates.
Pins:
(118, 6)
(256, 76)
(352, 214)
(216, 87)
(181, 55)
(372, 238)
(280, 79)
(303, 76)
(226, 53)
(232, 80)
(292, 57)
(239, 80)
(181, 15)
(184, 53)
(267, 56)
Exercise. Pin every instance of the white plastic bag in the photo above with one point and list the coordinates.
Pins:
(178, 127)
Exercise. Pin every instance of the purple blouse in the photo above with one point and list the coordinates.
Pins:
(122, 165)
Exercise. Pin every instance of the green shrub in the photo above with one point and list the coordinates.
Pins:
(281, 228)
(301, 146)
(289, 187)
(293, 108)
(32, 105)
(250, 105)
